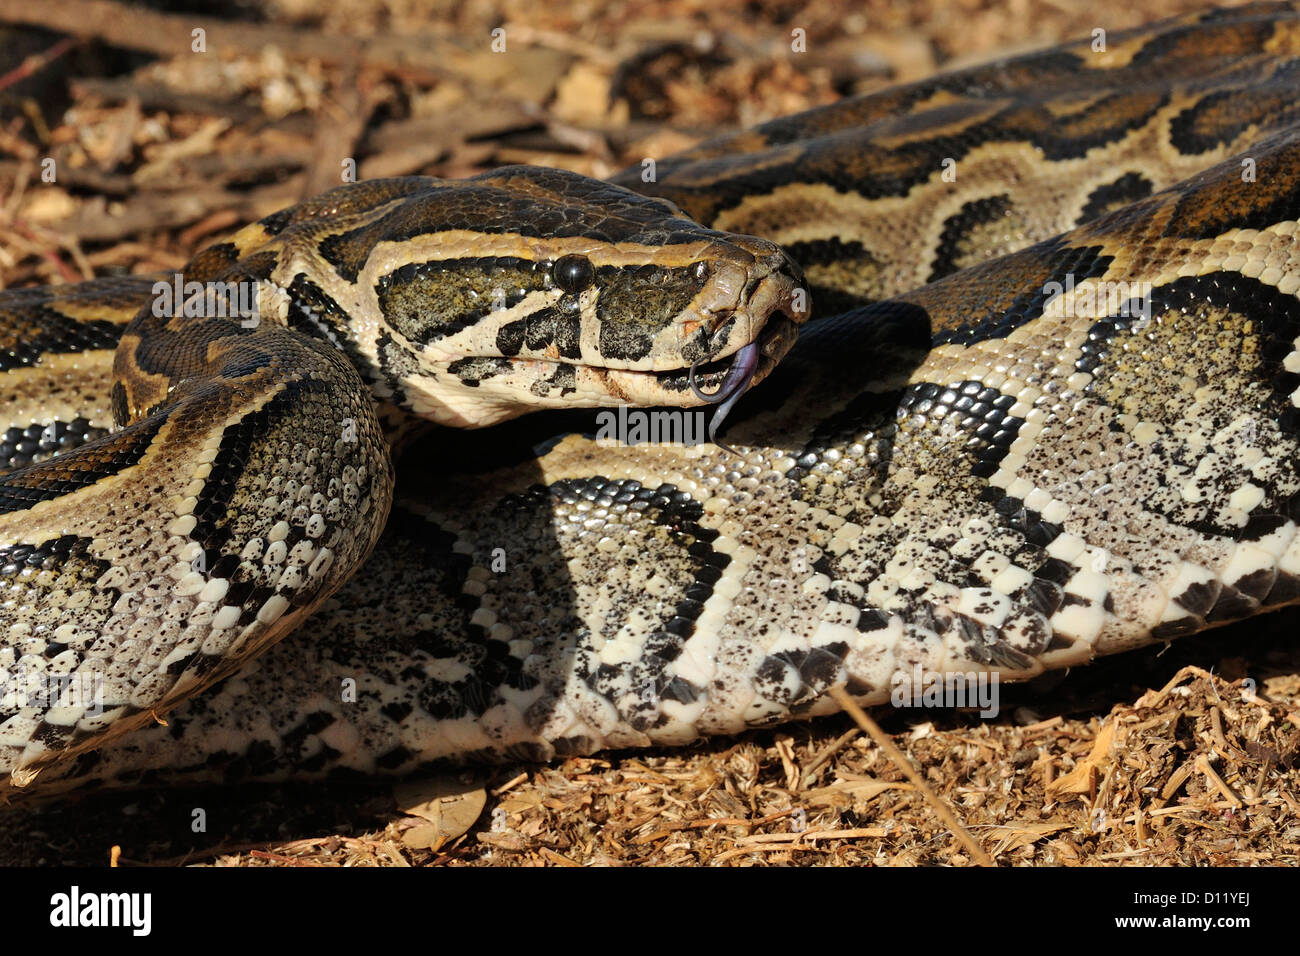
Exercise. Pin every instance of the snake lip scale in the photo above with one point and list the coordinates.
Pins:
(947, 469)
(759, 351)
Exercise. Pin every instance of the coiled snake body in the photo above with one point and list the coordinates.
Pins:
(1047, 409)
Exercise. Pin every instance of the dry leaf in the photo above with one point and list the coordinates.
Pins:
(1079, 780)
(424, 837)
(1027, 834)
(505, 840)
(450, 808)
(844, 792)
(523, 800)
(50, 204)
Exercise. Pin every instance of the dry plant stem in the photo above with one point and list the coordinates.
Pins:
(1203, 765)
(900, 760)
(822, 758)
(34, 64)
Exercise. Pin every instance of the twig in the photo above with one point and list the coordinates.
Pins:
(557, 859)
(812, 836)
(901, 761)
(827, 753)
(509, 784)
(1176, 780)
(1042, 725)
(37, 62)
(1203, 765)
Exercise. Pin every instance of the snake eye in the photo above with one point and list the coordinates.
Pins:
(573, 273)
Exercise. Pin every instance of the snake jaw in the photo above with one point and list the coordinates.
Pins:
(774, 295)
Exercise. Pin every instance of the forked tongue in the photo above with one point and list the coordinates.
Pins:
(733, 386)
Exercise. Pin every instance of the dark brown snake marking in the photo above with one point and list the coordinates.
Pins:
(976, 474)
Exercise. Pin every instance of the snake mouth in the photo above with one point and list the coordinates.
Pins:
(719, 381)
(559, 384)
(739, 349)
(705, 382)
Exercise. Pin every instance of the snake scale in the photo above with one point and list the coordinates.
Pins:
(1047, 407)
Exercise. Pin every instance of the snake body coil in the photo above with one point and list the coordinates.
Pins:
(1055, 417)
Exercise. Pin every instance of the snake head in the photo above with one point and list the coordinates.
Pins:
(475, 301)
